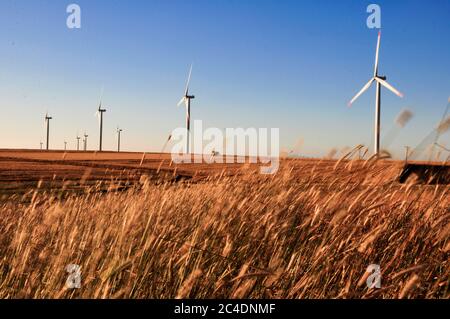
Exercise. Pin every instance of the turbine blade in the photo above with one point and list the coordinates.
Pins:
(183, 99)
(101, 97)
(186, 92)
(97, 115)
(364, 89)
(389, 87)
(375, 72)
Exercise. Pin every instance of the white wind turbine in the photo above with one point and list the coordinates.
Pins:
(47, 122)
(380, 81)
(99, 115)
(186, 99)
(119, 132)
(78, 141)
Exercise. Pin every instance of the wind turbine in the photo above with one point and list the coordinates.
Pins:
(85, 141)
(47, 121)
(186, 99)
(119, 131)
(99, 114)
(380, 81)
(78, 142)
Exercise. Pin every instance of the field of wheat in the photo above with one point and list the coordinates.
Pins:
(309, 231)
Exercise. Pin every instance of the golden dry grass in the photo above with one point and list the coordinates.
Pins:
(309, 231)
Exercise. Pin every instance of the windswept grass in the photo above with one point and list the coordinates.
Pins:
(306, 232)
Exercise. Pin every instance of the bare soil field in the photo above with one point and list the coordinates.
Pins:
(25, 170)
(22, 170)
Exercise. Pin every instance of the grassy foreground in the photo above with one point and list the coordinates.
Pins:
(302, 233)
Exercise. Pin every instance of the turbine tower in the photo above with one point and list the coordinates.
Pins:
(85, 141)
(119, 131)
(47, 121)
(186, 99)
(65, 145)
(380, 81)
(78, 142)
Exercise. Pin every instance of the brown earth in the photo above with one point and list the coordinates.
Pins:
(23, 170)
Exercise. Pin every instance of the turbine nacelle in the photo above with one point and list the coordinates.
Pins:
(100, 111)
(185, 99)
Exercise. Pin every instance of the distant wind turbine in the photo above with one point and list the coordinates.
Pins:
(78, 142)
(99, 114)
(380, 81)
(85, 141)
(47, 121)
(186, 99)
(119, 131)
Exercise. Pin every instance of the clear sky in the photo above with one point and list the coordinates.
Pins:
(257, 63)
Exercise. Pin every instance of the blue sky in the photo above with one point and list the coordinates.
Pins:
(287, 64)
